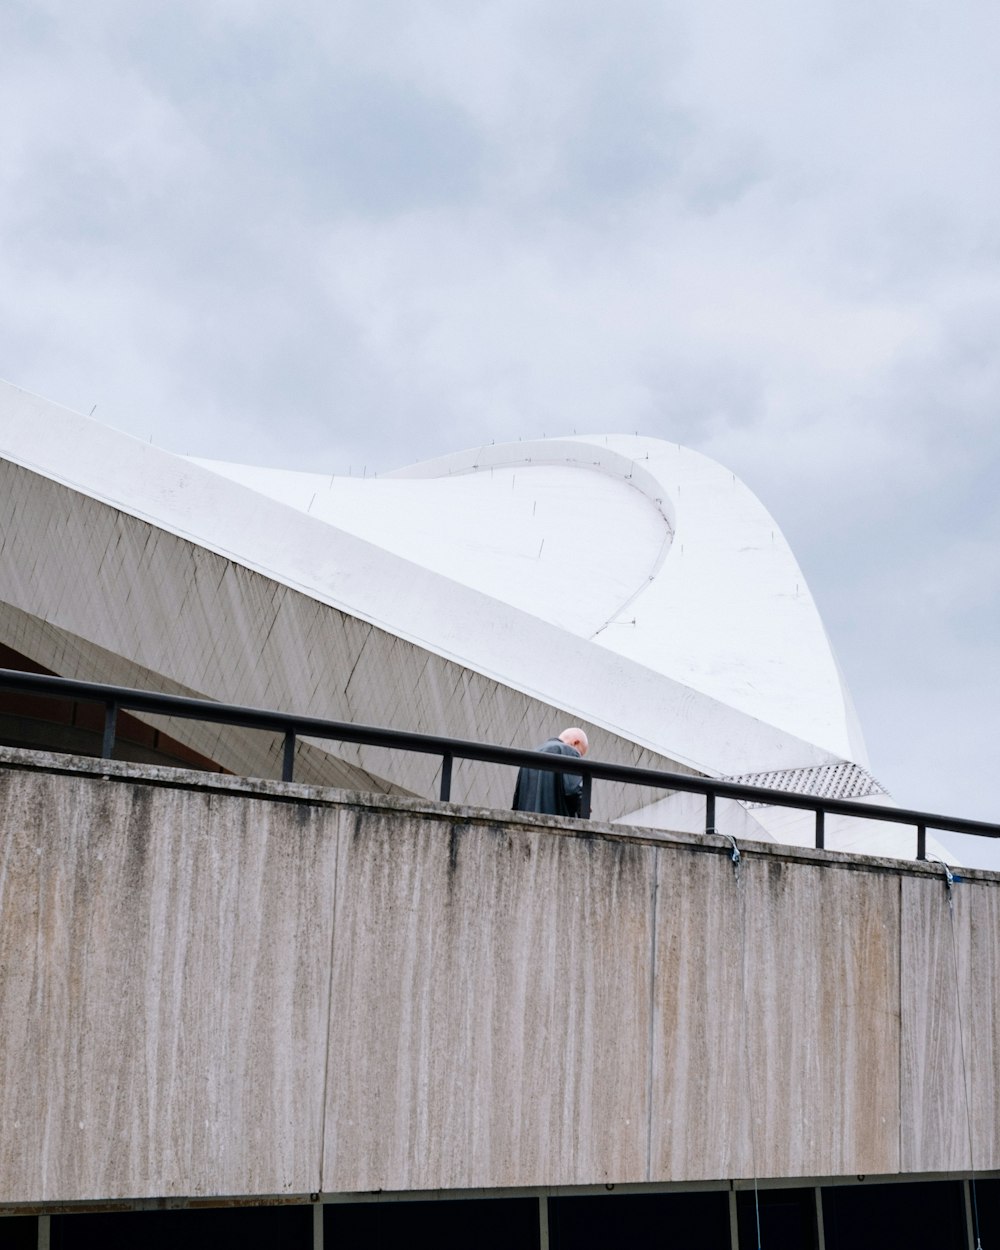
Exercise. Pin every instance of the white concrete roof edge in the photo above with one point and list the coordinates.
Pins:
(552, 660)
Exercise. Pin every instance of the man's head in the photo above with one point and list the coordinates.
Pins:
(575, 738)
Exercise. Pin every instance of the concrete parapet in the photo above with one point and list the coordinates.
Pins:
(219, 987)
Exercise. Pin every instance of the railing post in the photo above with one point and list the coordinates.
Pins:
(820, 829)
(110, 721)
(588, 785)
(446, 761)
(710, 812)
(288, 758)
(921, 841)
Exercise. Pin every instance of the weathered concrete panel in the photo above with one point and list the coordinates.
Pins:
(163, 990)
(221, 987)
(777, 1019)
(697, 1062)
(490, 1020)
(951, 1025)
(823, 987)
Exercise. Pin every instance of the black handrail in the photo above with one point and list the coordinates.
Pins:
(119, 698)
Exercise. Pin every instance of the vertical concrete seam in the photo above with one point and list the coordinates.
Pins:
(734, 1219)
(329, 1003)
(970, 1223)
(543, 1222)
(820, 1226)
(652, 1015)
(317, 1226)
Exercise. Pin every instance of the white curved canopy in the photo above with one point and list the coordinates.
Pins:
(643, 548)
(627, 584)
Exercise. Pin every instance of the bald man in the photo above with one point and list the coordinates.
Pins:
(556, 794)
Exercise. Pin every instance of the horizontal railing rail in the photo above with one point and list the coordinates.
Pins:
(292, 727)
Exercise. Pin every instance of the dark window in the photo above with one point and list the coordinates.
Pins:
(639, 1221)
(988, 1206)
(216, 1228)
(787, 1219)
(19, 1232)
(927, 1215)
(451, 1224)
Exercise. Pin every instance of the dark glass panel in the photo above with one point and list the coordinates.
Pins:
(787, 1219)
(448, 1224)
(216, 1228)
(922, 1215)
(988, 1208)
(18, 1232)
(640, 1221)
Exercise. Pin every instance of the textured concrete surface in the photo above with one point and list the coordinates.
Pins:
(950, 1073)
(777, 1019)
(164, 975)
(490, 1007)
(215, 986)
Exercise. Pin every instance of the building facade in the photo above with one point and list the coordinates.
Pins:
(337, 1012)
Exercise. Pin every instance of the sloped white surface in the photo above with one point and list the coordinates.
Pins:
(649, 550)
(536, 537)
(503, 643)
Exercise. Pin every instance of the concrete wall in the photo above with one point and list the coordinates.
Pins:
(224, 987)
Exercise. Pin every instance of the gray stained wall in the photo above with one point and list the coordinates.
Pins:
(219, 987)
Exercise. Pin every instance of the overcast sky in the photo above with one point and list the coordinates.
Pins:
(355, 235)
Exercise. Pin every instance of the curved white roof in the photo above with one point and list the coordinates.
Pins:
(642, 548)
(624, 583)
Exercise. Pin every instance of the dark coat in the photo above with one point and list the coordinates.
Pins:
(556, 794)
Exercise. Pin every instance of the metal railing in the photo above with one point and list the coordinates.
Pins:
(120, 698)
